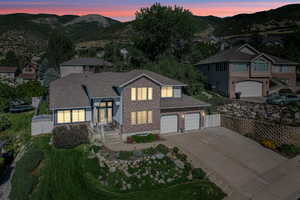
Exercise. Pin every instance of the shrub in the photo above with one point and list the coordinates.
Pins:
(289, 150)
(24, 181)
(144, 138)
(269, 144)
(181, 157)
(198, 173)
(162, 149)
(125, 155)
(176, 150)
(150, 151)
(70, 136)
(2, 165)
(4, 123)
(95, 148)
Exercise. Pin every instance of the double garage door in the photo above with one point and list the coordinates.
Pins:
(169, 123)
(249, 88)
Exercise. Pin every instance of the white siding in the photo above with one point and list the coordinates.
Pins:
(88, 115)
(177, 92)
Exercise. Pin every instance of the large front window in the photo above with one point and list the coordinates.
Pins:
(141, 94)
(78, 115)
(64, 116)
(240, 68)
(167, 92)
(260, 66)
(70, 116)
(141, 117)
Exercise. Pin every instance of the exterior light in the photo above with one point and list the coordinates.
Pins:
(182, 116)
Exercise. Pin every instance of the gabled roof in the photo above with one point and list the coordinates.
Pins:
(235, 55)
(68, 91)
(8, 69)
(86, 61)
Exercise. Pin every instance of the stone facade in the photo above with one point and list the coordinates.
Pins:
(258, 129)
(147, 105)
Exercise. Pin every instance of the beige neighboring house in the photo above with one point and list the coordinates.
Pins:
(8, 72)
(83, 65)
(246, 70)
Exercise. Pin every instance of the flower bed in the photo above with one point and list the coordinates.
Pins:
(145, 138)
(287, 150)
(146, 169)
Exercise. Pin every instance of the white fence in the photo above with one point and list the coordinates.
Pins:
(212, 121)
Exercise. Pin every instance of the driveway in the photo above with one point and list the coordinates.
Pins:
(241, 167)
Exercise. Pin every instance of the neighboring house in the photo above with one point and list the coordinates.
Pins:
(138, 101)
(244, 69)
(83, 65)
(8, 72)
(29, 73)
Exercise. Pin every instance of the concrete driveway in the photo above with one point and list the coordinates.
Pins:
(241, 167)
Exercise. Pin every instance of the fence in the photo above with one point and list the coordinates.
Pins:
(41, 124)
(212, 121)
(281, 134)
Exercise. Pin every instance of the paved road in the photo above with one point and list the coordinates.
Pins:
(241, 167)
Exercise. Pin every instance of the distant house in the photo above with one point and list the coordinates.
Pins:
(244, 69)
(83, 65)
(135, 102)
(29, 73)
(8, 72)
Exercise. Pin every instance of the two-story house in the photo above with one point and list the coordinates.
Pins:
(83, 65)
(8, 72)
(133, 102)
(246, 70)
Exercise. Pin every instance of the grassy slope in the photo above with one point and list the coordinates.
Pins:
(69, 174)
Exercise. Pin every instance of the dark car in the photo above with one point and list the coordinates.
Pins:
(282, 99)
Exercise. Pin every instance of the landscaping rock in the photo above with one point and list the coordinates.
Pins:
(160, 156)
(179, 164)
(112, 169)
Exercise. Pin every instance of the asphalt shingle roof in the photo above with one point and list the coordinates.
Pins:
(8, 69)
(68, 91)
(183, 102)
(86, 61)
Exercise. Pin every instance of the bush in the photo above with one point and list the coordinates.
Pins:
(269, 144)
(162, 149)
(95, 148)
(4, 104)
(181, 157)
(125, 155)
(70, 136)
(198, 173)
(289, 150)
(176, 150)
(150, 151)
(24, 180)
(144, 138)
(2, 165)
(4, 123)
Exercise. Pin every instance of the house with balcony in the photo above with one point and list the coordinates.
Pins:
(129, 103)
(246, 70)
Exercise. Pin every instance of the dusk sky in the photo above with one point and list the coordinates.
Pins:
(124, 9)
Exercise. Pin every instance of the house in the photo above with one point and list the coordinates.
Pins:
(8, 72)
(83, 65)
(138, 101)
(245, 69)
(29, 73)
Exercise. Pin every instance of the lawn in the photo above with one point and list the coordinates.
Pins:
(70, 174)
(44, 108)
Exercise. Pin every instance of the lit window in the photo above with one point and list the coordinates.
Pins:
(142, 94)
(78, 115)
(142, 117)
(150, 93)
(64, 116)
(133, 94)
(167, 91)
(149, 117)
(133, 118)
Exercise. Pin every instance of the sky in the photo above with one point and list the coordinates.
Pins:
(124, 10)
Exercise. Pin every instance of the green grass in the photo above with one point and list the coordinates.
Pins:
(20, 125)
(44, 108)
(69, 174)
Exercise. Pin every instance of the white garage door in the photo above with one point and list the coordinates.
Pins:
(192, 121)
(249, 88)
(169, 124)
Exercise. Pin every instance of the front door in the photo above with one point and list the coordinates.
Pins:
(105, 112)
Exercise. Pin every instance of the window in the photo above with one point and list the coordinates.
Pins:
(141, 117)
(167, 91)
(240, 67)
(141, 94)
(221, 67)
(64, 116)
(133, 118)
(150, 93)
(285, 69)
(78, 115)
(149, 117)
(260, 66)
(133, 94)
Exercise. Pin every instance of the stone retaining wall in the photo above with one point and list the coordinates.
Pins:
(259, 130)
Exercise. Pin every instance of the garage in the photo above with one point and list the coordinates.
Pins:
(249, 88)
(192, 121)
(169, 124)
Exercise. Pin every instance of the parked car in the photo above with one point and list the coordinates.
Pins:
(22, 108)
(282, 99)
